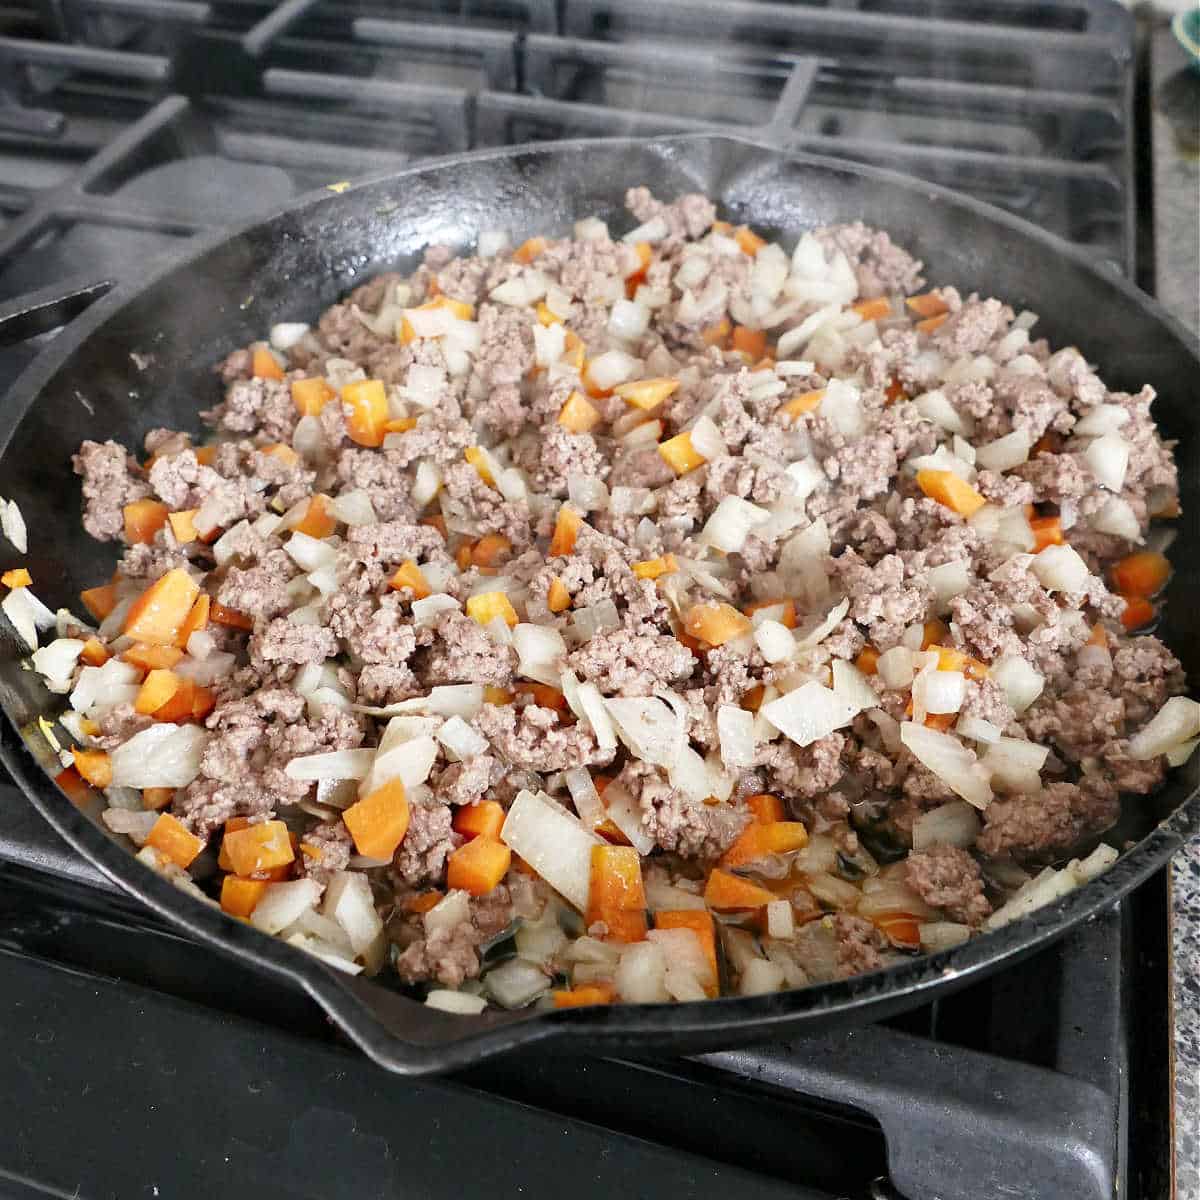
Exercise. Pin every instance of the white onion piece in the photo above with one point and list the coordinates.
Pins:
(1021, 684)
(936, 408)
(948, 580)
(1118, 518)
(612, 367)
(1178, 755)
(216, 665)
(353, 508)
(426, 612)
(554, 844)
(465, 1004)
(852, 685)
(977, 729)
(540, 649)
(835, 616)
(686, 959)
(587, 493)
(941, 691)
(842, 407)
(950, 761)
(896, 667)
(453, 910)
(735, 730)
(1108, 457)
(56, 661)
(461, 739)
(332, 764)
(12, 525)
(953, 824)
(282, 904)
(1095, 864)
(286, 334)
(1015, 765)
(648, 727)
(707, 441)
(809, 713)
(549, 343)
(942, 935)
(310, 553)
(585, 797)
(1178, 721)
(1050, 885)
(1061, 569)
(411, 762)
(622, 809)
(165, 755)
(628, 320)
(349, 902)
(761, 977)
(775, 641)
(731, 523)
(1104, 418)
(653, 230)
(1004, 453)
(641, 974)
(426, 483)
(807, 476)
(135, 825)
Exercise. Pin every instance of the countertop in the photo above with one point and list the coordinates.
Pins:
(1176, 101)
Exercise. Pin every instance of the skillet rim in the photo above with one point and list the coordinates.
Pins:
(373, 1016)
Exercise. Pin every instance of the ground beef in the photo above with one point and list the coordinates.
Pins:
(258, 591)
(677, 823)
(465, 782)
(111, 479)
(882, 267)
(421, 857)
(638, 662)
(860, 945)
(564, 453)
(451, 956)
(803, 772)
(285, 641)
(373, 632)
(462, 652)
(947, 877)
(881, 599)
(258, 406)
(533, 739)
(1047, 823)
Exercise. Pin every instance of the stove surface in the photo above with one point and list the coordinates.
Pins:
(126, 126)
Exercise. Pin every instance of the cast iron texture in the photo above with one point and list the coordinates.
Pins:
(229, 288)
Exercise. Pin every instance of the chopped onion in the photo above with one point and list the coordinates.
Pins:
(781, 920)
(761, 977)
(1004, 453)
(949, 760)
(650, 231)
(1095, 864)
(953, 824)
(426, 612)
(596, 714)
(56, 662)
(936, 408)
(216, 665)
(593, 619)
(775, 641)
(540, 649)
(332, 764)
(282, 904)
(461, 739)
(310, 553)
(942, 935)
(1178, 755)
(948, 580)
(165, 755)
(640, 977)
(585, 797)
(731, 523)
(1021, 684)
(1015, 764)
(452, 911)
(648, 727)
(349, 902)
(612, 367)
(1061, 569)
(554, 845)
(977, 729)
(1050, 885)
(1108, 457)
(589, 229)
(587, 493)
(627, 320)
(286, 334)
(622, 809)
(809, 713)
(735, 729)
(465, 1004)
(814, 637)
(353, 508)
(549, 343)
(851, 684)
(1118, 518)
(896, 667)
(940, 691)
(842, 407)
(807, 476)
(1104, 418)
(12, 525)
(1178, 721)
(410, 761)
(135, 825)
(686, 960)
(707, 441)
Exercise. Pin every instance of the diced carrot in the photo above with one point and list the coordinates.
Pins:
(611, 833)
(1138, 612)
(183, 525)
(169, 837)
(804, 403)
(257, 848)
(616, 895)
(1047, 531)
(143, 519)
(558, 599)
(462, 555)
(158, 614)
(73, 786)
(282, 451)
(206, 454)
(901, 929)
(154, 799)
(1144, 573)
(196, 619)
(758, 841)
(264, 365)
(722, 227)
(18, 577)
(751, 342)
(645, 253)
(240, 897)
(930, 304)
(700, 923)
(499, 696)
(422, 902)
(654, 568)
(318, 521)
(94, 653)
(748, 240)
(544, 696)
(714, 335)
(100, 601)
(487, 606)
(942, 722)
(475, 457)
(545, 316)
(178, 706)
(579, 414)
(438, 522)
(752, 700)
(485, 818)
(478, 865)
(868, 661)
(950, 659)
(158, 687)
(400, 425)
(715, 623)
(95, 766)
(229, 617)
(873, 310)
(575, 351)
(787, 617)
(1048, 443)
(680, 455)
(379, 821)
(232, 824)
(151, 657)
(932, 324)
(647, 394)
(1098, 636)
(566, 531)
(311, 395)
(491, 550)
(367, 401)
(409, 575)
(463, 311)
(584, 996)
(766, 808)
(527, 251)
(725, 892)
(936, 632)
(894, 391)
(951, 490)
(204, 700)
(600, 782)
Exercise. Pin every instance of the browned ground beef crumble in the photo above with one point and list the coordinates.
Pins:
(856, 789)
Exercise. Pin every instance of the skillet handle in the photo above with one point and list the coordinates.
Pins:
(48, 308)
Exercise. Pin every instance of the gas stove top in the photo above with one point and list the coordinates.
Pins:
(127, 126)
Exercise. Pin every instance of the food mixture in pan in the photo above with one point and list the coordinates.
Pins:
(631, 616)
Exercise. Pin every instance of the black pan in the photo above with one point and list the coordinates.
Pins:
(228, 289)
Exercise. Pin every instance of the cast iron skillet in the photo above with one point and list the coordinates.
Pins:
(228, 289)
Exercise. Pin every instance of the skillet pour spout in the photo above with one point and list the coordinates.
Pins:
(142, 356)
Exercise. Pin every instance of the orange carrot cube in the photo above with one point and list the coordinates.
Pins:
(715, 623)
(616, 895)
(714, 335)
(366, 402)
(152, 657)
(934, 633)
(930, 304)
(545, 316)
(931, 324)
(230, 617)
(487, 606)
(476, 458)
(566, 531)
(584, 996)
(765, 807)
(647, 394)
(154, 799)
(310, 396)
(758, 841)
(18, 577)
(100, 601)
(491, 550)
(256, 848)
(654, 568)
(178, 706)
(873, 310)
(408, 575)
(159, 686)
(1047, 531)
(478, 865)
(1138, 612)
(264, 365)
(143, 519)
(496, 695)
(94, 653)
(751, 342)
(748, 240)
(578, 414)
(158, 614)
(379, 821)
(169, 837)
(680, 455)
(558, 599)
(95, 766)
(725, 892)
(575, 351)
(240, 897)
(868, 661)
(949, 489)
(1144, 573)
(422, 902)
(196, 619)
(485, 818)
(804, 403)
(527, 251)
(318, 521)
(183, 525)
